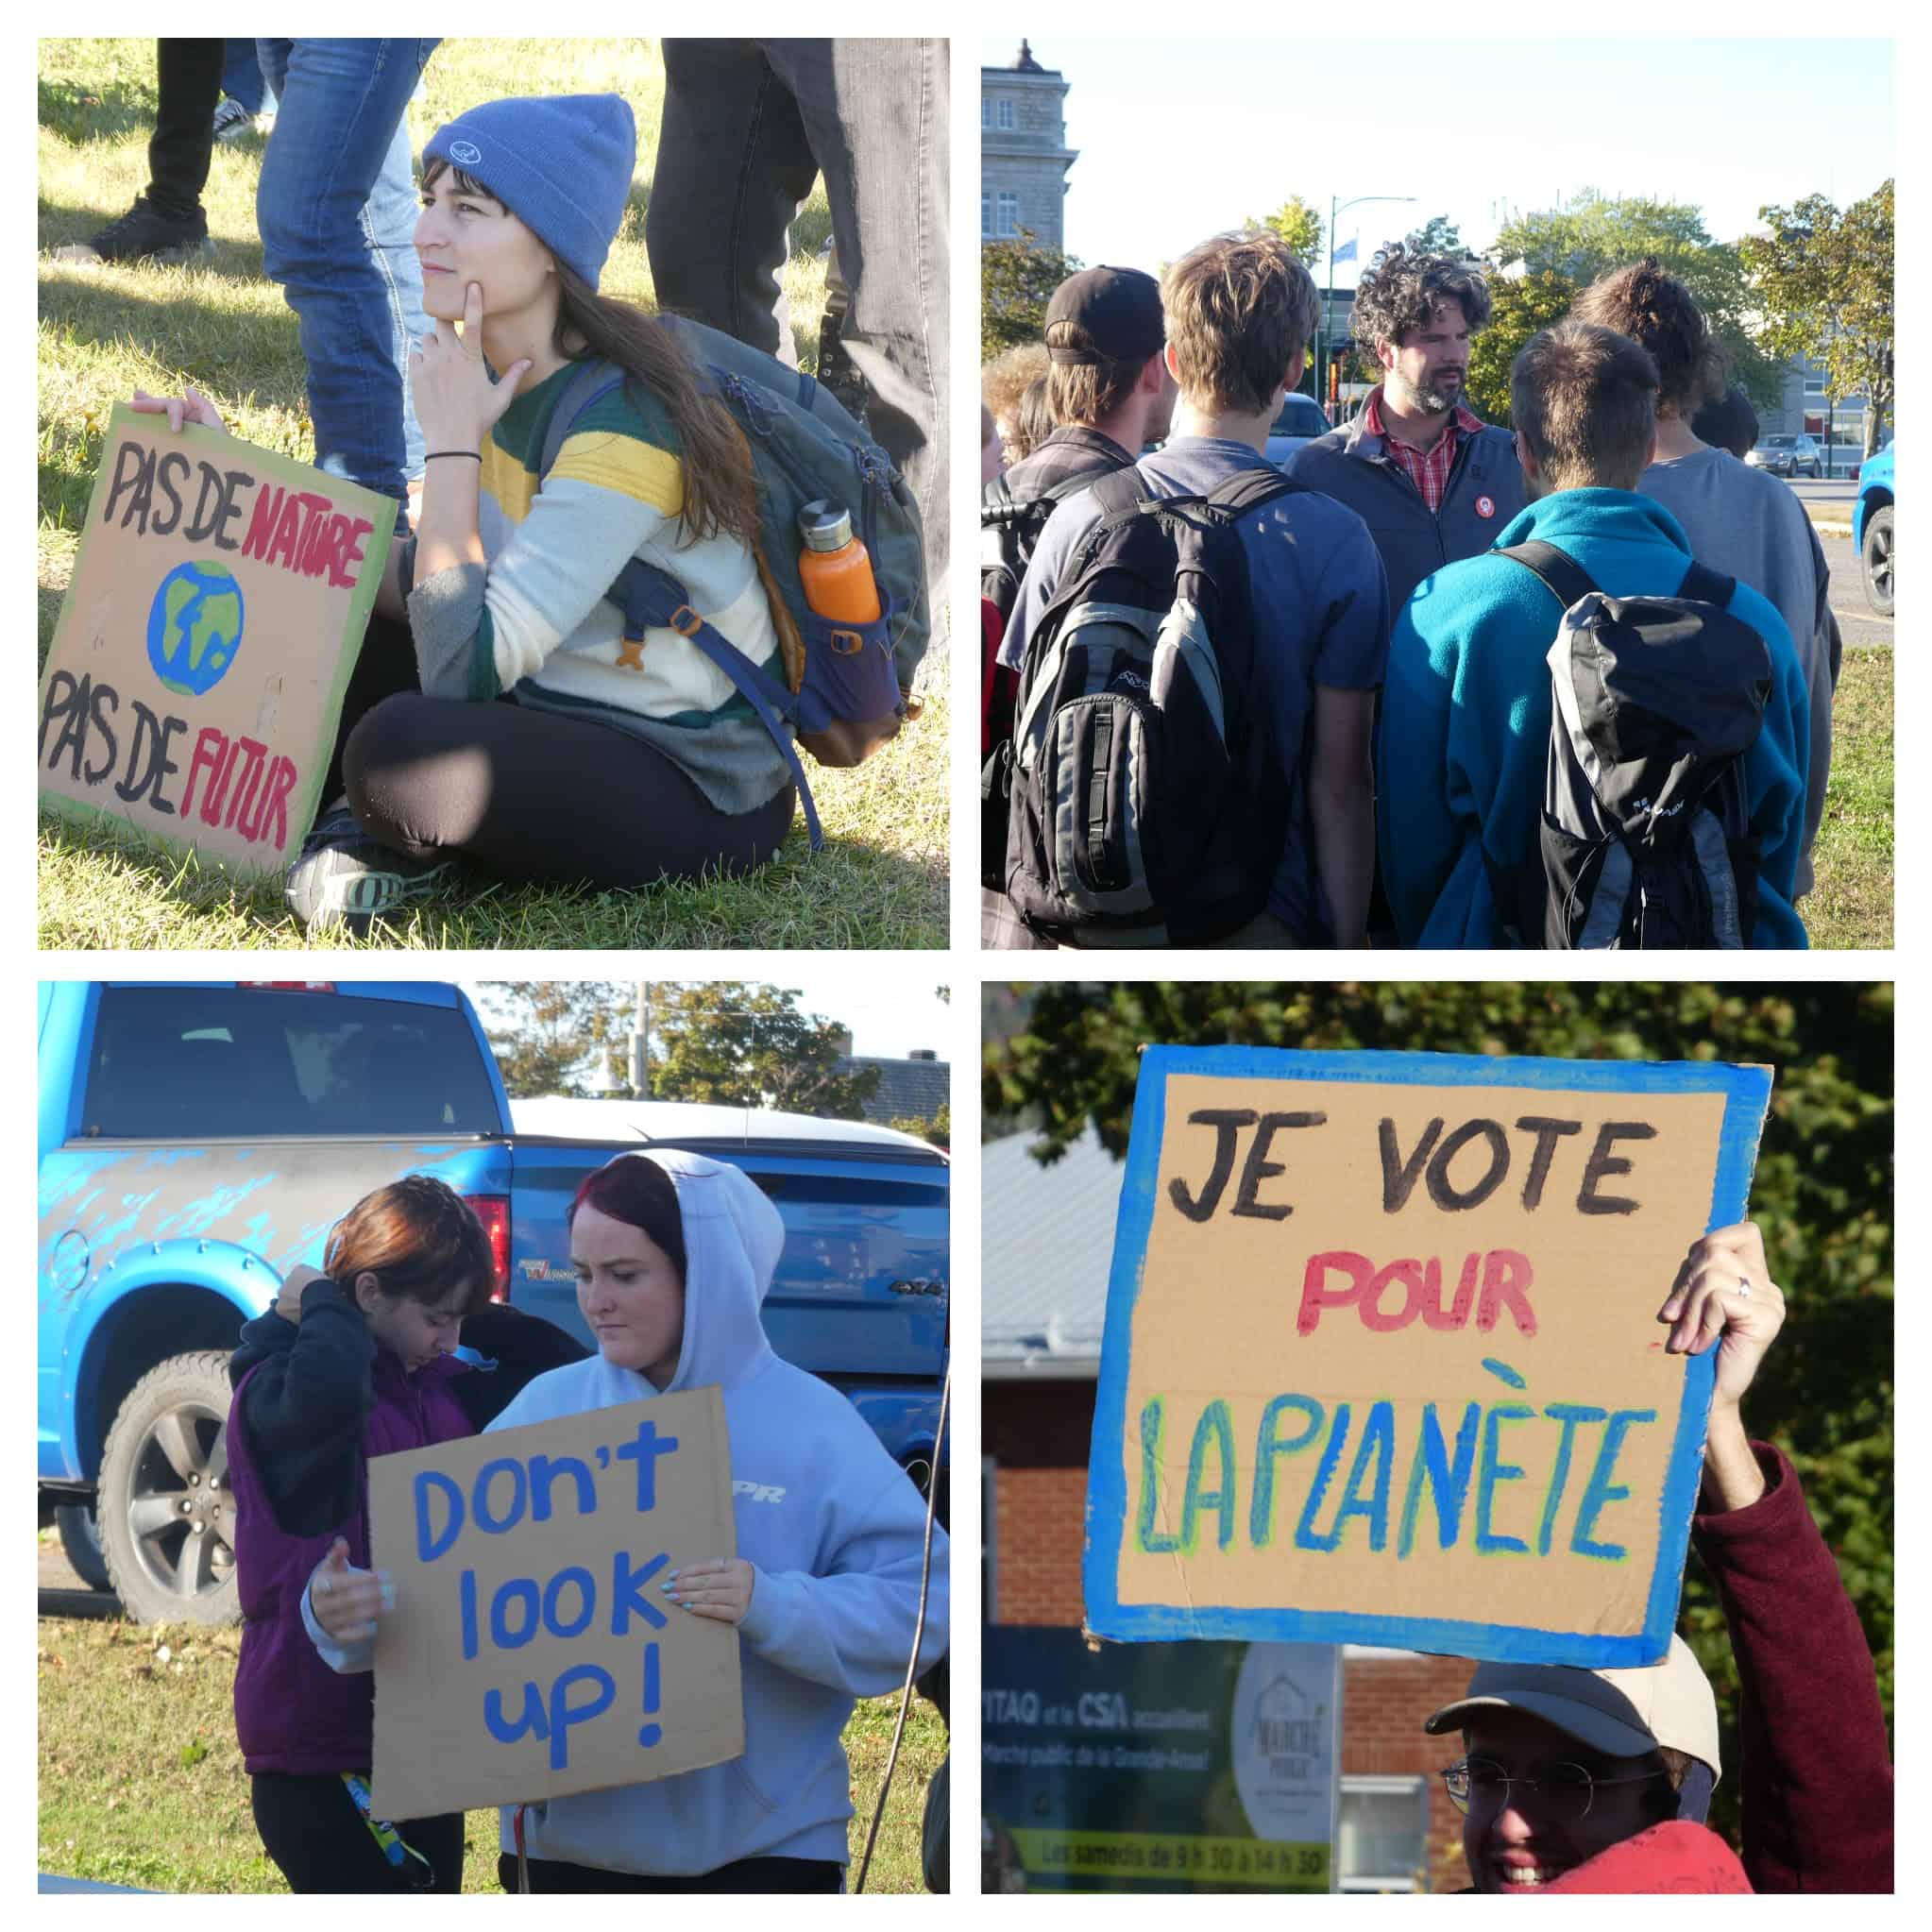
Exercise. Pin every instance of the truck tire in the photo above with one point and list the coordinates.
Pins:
(81, 1539)
(1877, 561)
(165, 1511)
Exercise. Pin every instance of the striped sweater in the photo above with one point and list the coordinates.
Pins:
(534, 623)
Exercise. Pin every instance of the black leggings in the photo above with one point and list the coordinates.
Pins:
(536, 797)
(744, 1874)
(311, 1830)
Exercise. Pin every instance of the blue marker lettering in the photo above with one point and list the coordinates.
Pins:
(585, 1585)
(1261, 1513)
(627, 1594)
(466, 1598)
(648, 1735)
(1569, 1414)
(532, 1720)
(645, 1451)
(544, 1471)
(487, 1519)
(1601, 1490)
(520, 1594)
(1378, 1439)
(1305, 1537)
(428, 1544)
(1214, 1425)
(1155, 1542)
(1449, 1484)
(1494, 1472)
(563, 1714)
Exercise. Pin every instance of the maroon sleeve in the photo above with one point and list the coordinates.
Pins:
(1816, 1769)
(1667, 1857)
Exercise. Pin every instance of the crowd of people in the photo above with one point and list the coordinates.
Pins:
(1426, 682)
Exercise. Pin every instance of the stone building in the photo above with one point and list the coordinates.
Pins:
(1023, 156)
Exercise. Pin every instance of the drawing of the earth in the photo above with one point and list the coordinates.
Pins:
(194, 626)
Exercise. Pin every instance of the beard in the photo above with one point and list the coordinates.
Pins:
(1438, 393)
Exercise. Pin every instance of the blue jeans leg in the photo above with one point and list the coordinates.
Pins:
(331, 207)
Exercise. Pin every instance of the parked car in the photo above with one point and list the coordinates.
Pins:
(1300, 421)
(197, 1141)
(1788, 456)
(1871, 529)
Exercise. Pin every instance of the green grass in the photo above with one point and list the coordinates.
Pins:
(1852, 903)
(140, 1780)
(103, 331)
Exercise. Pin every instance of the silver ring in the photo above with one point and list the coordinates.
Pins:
(1744, 1284)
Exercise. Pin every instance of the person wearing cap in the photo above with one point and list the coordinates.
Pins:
(1601, 1780)
(1239, 312)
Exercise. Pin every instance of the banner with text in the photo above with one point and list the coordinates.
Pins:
(1205, 1766)
(1382, 1363)
(532, 1651)
(216, 609)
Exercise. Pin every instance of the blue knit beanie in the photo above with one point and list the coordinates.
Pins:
(560, 163)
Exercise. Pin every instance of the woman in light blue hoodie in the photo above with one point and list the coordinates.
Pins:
(673, 1255)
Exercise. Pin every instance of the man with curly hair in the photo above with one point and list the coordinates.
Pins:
(1430, 478)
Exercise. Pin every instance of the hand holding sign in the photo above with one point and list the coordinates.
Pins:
(346, 1601)
(192, 407)
(456, 403)
(1724, 1294)
(720, 1589)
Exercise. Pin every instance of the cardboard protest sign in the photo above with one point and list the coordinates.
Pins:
(532, 1651)
(1382, 1362)
(217, 607)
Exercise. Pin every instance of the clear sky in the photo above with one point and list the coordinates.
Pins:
(1473, 128)
(889, 1012)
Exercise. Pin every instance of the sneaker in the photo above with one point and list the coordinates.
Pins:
(232, 119)
(341, 874)
(144, 234)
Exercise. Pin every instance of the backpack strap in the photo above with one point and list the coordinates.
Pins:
(1707, 585)
(654, 600)
(1569, 582)
(1248, 489)
(1119, 490)
(593, 382)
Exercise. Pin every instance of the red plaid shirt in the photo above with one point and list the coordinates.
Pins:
(1428, 470)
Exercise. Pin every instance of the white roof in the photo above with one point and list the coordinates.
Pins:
(648, 1121)
(1046, 1249)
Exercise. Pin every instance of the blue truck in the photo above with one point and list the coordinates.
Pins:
(1872, 528)
(198, 1140)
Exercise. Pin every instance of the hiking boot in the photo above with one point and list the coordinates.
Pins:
(232, 120)
(341, 874)
(144, 234)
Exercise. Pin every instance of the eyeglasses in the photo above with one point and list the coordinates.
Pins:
(1479, 1785)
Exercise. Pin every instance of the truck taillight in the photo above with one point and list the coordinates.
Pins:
(493, 1211)
(288, 985)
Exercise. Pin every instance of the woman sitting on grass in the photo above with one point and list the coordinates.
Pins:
(540, 743)
(673, 1255)
(356, 1363)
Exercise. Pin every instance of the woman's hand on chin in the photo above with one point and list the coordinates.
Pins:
(720, 1589)
(456, 403)
(191, 407)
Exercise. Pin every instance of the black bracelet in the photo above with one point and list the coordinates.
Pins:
(474, 455)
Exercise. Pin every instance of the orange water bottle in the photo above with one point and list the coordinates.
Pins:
(833, 567)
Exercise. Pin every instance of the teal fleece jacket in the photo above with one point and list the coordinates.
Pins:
(1465, 730)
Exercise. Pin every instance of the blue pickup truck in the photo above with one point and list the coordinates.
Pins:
(1871, 527)
(197, 1141)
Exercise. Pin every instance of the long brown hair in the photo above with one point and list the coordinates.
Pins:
(1659, 314)
(419, 1237)
(720, 490)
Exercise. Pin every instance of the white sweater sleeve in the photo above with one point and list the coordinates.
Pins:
(346, 1658)
(852, 1628)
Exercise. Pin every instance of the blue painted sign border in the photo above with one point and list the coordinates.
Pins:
(1747, 1093)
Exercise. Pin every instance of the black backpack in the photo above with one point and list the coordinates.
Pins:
(1010, 531)
(1150, 800)
(1646, 836)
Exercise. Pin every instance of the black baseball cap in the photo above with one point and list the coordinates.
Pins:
(1120, 311)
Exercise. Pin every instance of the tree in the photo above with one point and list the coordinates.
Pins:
(1823, 286)
(1016, 282)
(1595, 234)
(1438, 235)
(1297, 224)
(739, 1045)
(559, 1036)
(1822, 1188)
(1518, 308)
(938, 1129)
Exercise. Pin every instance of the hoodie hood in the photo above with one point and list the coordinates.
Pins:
(732, 1237)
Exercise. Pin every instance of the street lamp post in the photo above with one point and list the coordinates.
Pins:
(1321, 364)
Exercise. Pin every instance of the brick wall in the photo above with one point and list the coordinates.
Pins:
(1039, 1434)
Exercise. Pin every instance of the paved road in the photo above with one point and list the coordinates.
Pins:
(1832, 494)
(1861, 626)
(62, 1593)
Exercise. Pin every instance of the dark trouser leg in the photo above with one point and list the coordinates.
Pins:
(311, 1830)
(189, 73)
(385, 666)
(540, 798)
(733, 168)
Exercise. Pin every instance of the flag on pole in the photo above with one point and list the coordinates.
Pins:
(1346, 251)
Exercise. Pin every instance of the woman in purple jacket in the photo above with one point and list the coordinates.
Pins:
(355, 1363)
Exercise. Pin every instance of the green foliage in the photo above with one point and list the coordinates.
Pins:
(1822, 1192)
(1298, 225)
(938, 1129)
(560, 1036)
(1518, 308)
(739, 1044)
(1438, 235)
(1595, 234)
(1016, 282)
(1824, 287)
